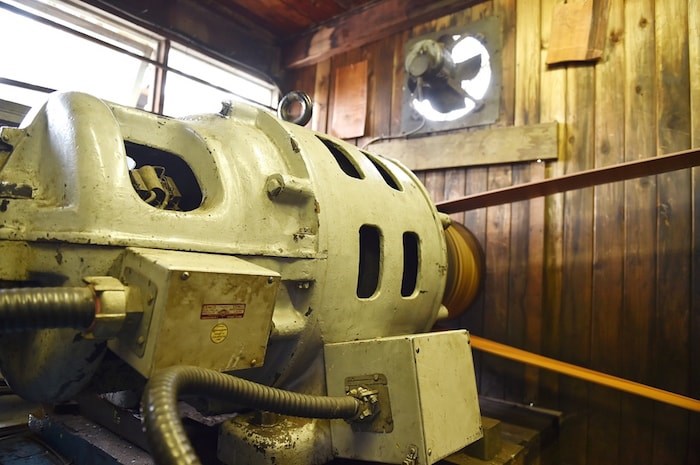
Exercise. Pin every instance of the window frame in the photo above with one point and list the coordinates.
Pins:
(116, 30)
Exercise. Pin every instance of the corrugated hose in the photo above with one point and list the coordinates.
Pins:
(166, 435)
(29, 308)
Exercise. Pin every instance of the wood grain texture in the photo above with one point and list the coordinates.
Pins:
(578, 253)
(349, 113)
(670, 356)
(494, 376)
(496, 297)
(578, 31)
(319, 118)
(527, 233)
(610, 292)
(608, 244)
(639, 290)
(552, 108)
(694, 61)
(480, 147)
(364, 26)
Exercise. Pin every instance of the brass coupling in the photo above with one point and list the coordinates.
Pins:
(116, 306)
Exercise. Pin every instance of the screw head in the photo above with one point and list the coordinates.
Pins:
(185, 275)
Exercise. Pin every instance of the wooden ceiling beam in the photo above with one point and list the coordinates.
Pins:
(360, 27)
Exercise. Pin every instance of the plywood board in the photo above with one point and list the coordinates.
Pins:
(350, 101)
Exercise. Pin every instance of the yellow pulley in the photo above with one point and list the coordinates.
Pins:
(465, 269)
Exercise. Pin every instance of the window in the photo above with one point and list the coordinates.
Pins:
(64, 46)
(187, 92)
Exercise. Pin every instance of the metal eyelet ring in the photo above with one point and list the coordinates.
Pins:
(285, 105)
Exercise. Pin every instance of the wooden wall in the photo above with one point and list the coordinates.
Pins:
(605, 277)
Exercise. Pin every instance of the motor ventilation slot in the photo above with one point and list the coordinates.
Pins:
(411, 262)
(370, 261)
(343, 159)
(389, 178)
(163, 179)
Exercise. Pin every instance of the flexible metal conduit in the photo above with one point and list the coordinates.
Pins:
(25, 309)
(166, 436)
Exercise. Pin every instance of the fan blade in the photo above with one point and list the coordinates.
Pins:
(588, 178)
(468, 69)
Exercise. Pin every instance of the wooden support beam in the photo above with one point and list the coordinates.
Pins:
(483, 147)
(366, 25)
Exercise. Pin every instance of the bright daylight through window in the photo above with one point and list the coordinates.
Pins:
(69, 47)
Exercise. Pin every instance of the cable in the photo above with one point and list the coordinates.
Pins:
(398, 136)
(165, 433)
(46, 307)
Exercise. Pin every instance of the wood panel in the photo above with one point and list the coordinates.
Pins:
(639, 288)
(491, 146)
(694, 60)
(574, 329)
(670, 359)
(552, 108)
(605, 277)
(608, 240)
(365, 26)
(527, 234)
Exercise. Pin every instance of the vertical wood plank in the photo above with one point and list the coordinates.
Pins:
(552, 108)
(639, 289)
(694, 60)
(578, 253)
(475, 221)
(435, 184)
(398, 78)
(339, 61)
(671, 328)
(498, 219)
(381, 55)
(455, 181)
(319, 118)
(496, 298)
(608, 261)
(525, 312)
(506, 10)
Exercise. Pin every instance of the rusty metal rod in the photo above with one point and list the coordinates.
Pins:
(588, 178)
(586, 374)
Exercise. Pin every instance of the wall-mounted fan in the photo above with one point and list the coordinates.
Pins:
(453, 77)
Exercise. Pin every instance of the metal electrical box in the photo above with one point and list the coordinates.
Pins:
(433, 408)
(214, 311)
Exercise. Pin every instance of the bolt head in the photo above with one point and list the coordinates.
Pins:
(185, 275)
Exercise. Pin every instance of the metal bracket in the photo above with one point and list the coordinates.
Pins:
(375, 416)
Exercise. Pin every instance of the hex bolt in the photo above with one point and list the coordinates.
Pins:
(274, 186)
